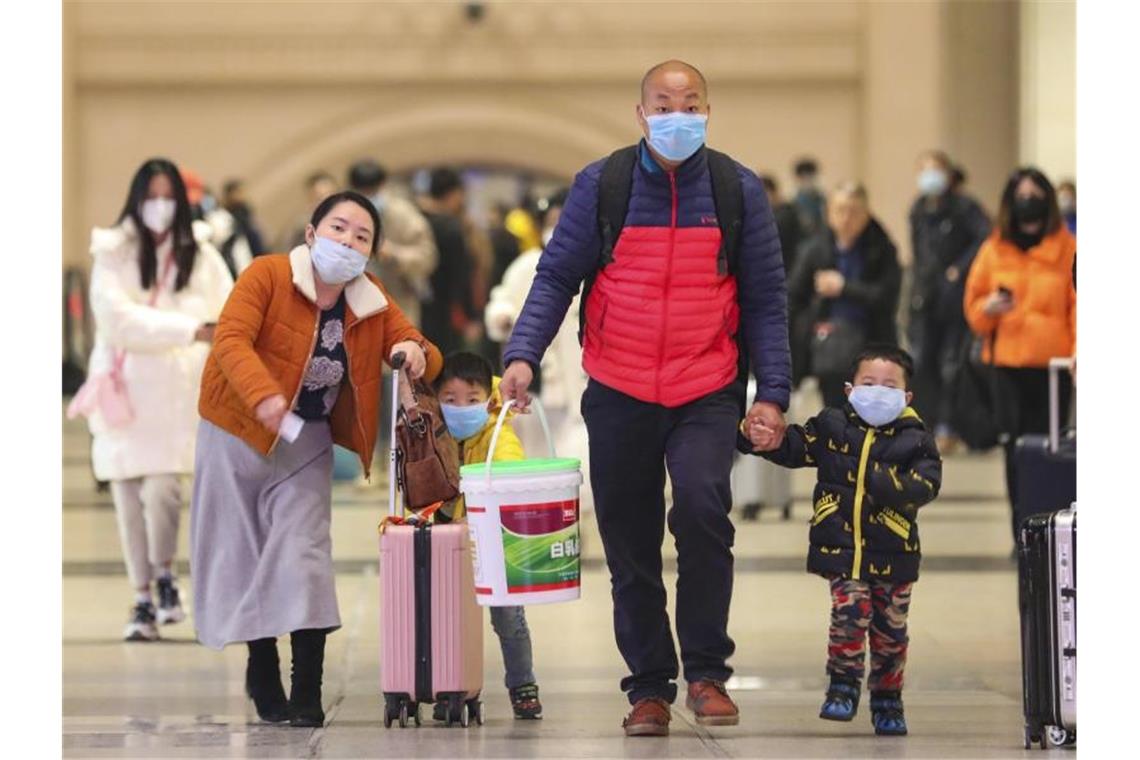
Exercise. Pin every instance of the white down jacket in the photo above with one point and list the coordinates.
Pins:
(163, 364)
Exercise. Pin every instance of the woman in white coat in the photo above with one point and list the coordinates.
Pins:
(563, 379)
(157, 288)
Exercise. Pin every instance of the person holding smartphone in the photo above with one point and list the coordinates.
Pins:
(1021, 299)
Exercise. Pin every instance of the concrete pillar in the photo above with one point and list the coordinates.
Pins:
(1048, 63)
(903, 108)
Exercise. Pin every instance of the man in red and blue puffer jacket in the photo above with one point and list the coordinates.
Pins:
(671, 322)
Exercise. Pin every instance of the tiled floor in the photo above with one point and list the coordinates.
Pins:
(178, 699)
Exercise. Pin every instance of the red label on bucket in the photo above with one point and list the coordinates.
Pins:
(538, 519)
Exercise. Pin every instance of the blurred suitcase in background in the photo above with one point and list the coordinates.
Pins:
(1046, 465)
(1047, 594)
(757, 483)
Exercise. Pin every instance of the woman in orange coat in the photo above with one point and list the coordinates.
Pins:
(1020, 297)
(301, 340)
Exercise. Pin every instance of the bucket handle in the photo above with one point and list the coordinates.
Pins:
(499, 427)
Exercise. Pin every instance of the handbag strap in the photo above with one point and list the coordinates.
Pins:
(121, 355)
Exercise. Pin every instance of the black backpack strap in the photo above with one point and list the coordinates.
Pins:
(614, 188)
(728, 197)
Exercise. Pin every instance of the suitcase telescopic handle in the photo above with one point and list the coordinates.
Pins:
(1056, 364)
(398, 359)
(499, 428)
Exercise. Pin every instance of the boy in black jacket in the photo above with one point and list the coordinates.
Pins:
(877, 465)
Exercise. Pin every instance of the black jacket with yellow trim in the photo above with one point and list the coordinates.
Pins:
(871, 482)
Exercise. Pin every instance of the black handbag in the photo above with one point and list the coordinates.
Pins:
(977, 410)
(834, 346)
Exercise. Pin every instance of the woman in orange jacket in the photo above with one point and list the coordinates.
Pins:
(1021, 299)
(300, 344)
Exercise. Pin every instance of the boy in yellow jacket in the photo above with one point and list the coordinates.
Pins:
(469, 398)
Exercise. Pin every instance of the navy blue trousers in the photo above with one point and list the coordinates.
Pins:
(631, 444)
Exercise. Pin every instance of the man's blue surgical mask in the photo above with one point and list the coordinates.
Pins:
(676, 136)
(336, 263)
(877, 404)
(464, 421)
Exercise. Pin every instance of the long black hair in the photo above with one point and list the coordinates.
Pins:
(185, 248)
(1005, 221)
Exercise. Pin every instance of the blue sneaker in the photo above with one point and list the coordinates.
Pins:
(842, 700)
(887, 713)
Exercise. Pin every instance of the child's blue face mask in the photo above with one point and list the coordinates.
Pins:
(877, 404)
(464, 421)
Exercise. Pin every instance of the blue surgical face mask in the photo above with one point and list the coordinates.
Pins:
(336, 263)
(676, 136)
(932, 182)
(464, 421)
(877, 404)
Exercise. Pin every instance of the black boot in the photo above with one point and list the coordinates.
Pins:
(263, 681)
(305, 709)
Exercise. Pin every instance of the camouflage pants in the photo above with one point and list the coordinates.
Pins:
(857, 606)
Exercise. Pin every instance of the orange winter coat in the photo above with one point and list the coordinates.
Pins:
(265, 338)
(1043, 322)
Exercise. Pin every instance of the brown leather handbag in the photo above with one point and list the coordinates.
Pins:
(427, 457)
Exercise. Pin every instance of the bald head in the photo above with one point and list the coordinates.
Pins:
(671, 74)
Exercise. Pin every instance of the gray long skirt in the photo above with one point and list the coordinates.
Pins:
(260, 549)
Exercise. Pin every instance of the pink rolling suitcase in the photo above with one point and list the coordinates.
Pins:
(431, 627)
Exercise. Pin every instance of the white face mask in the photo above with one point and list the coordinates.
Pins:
(336, 263)
(158, 214)
(877, 404)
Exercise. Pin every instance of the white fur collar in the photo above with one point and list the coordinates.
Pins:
(361, 294)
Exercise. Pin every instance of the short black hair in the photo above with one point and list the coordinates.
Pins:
(366, 174)
(324, 207)
(888, 352)
(231, 185)
(806, 166)
(468, 367)
(769, 183)
(443, 181)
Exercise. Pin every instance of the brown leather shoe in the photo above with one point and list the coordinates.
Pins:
(710, 702)
(649, 717)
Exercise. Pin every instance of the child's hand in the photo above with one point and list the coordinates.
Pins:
(762, 437)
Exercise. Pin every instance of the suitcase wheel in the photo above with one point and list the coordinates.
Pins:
(416, 713)
(390, 711)
(475, 711)
(455, 711)
(1032, 738)
(1059, 737)
(403, 715)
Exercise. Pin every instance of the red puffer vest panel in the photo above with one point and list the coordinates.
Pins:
(660, 320)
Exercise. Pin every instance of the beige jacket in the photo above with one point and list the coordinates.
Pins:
(408, 238)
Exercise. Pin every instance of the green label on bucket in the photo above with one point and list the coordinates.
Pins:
(540, 546)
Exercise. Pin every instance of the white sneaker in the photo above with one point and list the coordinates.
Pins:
(169, 604)
(141, 626)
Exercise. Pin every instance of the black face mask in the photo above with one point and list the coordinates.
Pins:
(1030, 209)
